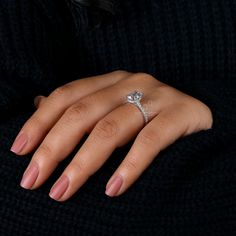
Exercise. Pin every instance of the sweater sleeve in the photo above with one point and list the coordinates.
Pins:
(31, 54)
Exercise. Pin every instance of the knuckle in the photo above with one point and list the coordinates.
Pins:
(46, 151)
(120, 73)
(60, 91)
(106, 128)
(76, 112)
(170, 93)
(141, 78)
(91, 98)
(79, 166)
(144, 77)
(148, 137)
(131, 164)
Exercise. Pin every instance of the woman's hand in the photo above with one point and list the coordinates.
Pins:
(96, 105)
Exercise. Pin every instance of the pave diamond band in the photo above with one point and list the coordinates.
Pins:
(135, 98)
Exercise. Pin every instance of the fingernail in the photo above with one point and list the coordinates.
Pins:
(30, 176)
(114, 187)
(37, 100)
(59, 188)
(19, 143)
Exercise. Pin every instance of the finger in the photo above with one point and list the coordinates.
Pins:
(35, 129)
(114, 130)
(68, 131)
(162, 131)
(76, 121)
(39, 100)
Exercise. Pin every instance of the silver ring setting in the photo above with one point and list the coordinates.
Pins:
(135, 98)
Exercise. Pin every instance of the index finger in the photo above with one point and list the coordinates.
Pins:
(36, 128)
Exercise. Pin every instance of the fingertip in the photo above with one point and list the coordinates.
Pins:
(59, 188)
(113, 187)
(19, 143)
(30, 176)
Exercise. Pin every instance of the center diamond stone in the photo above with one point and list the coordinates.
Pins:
(134, 97)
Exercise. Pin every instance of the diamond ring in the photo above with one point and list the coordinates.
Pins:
(135, 98)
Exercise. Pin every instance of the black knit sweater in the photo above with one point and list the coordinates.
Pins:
(190, 188)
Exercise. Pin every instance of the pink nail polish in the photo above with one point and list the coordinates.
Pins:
(30, 176)
(114, 187)
(19, 143)
(59, 188)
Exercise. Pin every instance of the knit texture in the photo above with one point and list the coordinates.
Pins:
(190, 188)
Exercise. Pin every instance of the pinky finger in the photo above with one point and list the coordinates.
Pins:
(159, 133)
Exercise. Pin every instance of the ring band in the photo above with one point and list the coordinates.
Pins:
(135, 98)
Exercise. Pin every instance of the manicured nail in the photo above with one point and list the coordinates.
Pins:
(114, 186)
(19, 143)
(30, 176)
(59, 188)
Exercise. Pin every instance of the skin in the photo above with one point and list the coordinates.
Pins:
(96, 106)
